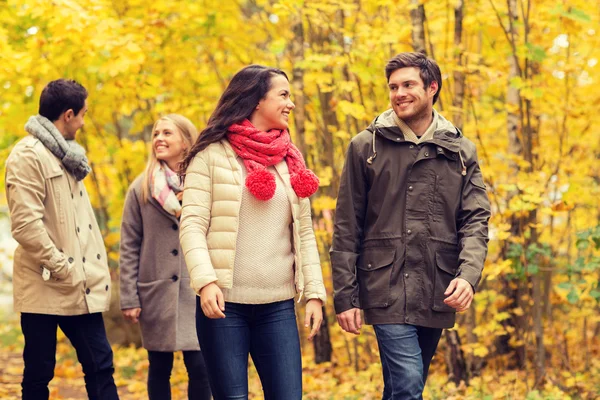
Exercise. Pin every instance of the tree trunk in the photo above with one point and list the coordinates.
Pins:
(459, 75)
(417, 17)
(455, 359)
(297, 52)
(322, 342)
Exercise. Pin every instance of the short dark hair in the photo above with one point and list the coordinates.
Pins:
(428, 69)
(61, 95)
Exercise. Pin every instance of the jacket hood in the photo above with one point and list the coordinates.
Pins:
(445, 135)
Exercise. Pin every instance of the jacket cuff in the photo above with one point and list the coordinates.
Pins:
(473, 279)
(57, 265)
(131, 303)
(345, 303)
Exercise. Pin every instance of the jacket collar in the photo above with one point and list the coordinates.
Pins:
(446, 135)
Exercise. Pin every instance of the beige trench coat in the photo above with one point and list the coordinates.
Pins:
(53, 222)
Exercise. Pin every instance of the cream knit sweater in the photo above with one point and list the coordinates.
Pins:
(263, 269)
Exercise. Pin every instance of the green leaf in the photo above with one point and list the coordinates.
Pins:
(595, 294)
(576, 15)
(565, 285)
(533, 269)
(573, 297)
(536, 53)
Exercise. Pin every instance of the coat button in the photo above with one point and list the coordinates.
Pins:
(72, 196)
(406, 275)
(98, 256)
(90, 225)
(174, 278)
(398, 139)
(174, 252)
(410, 188)
(174, 227)
(412, 146)
(408, 231)
(426, 154)
(369, 265)
(78, 230)
(83, 259)
(106, 288)
(71, 260)
(81, 193)
(87, 291)
(440, 150)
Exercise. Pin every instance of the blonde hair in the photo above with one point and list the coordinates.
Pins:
(189, 134)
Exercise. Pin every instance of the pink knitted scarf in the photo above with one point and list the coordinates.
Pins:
(260, 150)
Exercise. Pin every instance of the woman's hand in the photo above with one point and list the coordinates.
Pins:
(314, 311)
(132, 314)
(212, 301)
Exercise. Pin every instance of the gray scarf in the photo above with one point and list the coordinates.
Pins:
(70, 152)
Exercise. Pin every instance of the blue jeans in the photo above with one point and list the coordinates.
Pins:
(406, 352)
(267, 332)
(159, 374)
(88, 336)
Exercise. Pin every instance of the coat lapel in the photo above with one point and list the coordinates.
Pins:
(156, 204)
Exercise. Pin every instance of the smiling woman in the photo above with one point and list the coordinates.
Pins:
(246, 219)
(155, 285)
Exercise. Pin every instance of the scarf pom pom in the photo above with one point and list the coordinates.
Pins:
(261, 183)
(305, 183)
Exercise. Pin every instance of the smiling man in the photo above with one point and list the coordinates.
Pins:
(411, 227)
(60, 270)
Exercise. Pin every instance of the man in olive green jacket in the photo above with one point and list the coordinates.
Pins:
(411, 228)
(61, 275)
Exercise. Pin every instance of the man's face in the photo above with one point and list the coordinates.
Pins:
(74, 122)
(409, 98)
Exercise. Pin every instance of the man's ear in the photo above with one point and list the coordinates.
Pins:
(433, 87)
(68, 115)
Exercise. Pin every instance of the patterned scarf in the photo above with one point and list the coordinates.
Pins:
(164, 186)
(260, 150)
(71, 154)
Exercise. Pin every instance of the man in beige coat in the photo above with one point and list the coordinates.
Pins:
(61, 276)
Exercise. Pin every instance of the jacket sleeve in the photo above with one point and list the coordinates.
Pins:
(195, 220)
(311, 264)
(472, 222)
(131, 245)
(348, 231)
(26, 193)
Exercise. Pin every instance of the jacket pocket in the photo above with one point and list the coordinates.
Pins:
(446, 265)
(374, 271)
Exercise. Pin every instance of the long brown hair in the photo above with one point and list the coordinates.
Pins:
(189, 134)
(237, 103)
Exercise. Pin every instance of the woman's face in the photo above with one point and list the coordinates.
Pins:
(168, 143)
(273, 111)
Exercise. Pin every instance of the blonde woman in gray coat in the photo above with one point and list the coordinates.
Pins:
(155, 284)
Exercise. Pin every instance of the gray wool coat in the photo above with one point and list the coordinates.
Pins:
(154, 276)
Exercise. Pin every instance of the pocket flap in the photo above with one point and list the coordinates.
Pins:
(52, 172)
(375, 258)
(447, 262)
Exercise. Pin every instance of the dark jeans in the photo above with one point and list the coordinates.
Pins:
(159, 374)
(88, 336)
(406, 352)
(267, 332)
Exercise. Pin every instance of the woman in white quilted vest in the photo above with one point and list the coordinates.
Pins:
(155, 285)
(247, 237)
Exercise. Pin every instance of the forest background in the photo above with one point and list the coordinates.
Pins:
(519, 78)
